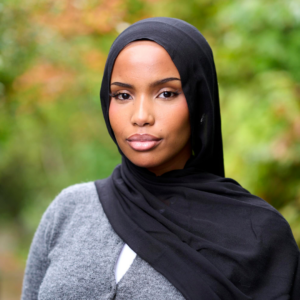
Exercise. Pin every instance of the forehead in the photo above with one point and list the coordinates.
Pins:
(144, 59)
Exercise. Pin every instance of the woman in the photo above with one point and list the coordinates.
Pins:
(166, 224)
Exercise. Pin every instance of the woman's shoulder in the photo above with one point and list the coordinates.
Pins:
(75, 206)
(74, 195)
(81, 198)
(262, 212)
(266, 219)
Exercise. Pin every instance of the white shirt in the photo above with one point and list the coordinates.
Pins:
(124, 262)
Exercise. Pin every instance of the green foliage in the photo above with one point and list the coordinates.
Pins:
(52, 56)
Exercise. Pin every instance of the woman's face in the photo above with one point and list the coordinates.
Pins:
(148, 111)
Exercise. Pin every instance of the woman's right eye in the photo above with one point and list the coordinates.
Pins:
(121, 96)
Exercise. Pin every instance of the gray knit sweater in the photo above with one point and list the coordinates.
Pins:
(74, 252)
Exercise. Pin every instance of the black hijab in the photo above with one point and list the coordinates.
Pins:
(207, 235)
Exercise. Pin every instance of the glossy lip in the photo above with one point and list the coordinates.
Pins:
(143, 142)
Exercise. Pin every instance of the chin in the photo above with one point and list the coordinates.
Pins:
(144, 161)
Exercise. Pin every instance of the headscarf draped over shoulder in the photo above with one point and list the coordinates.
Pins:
(207, 235)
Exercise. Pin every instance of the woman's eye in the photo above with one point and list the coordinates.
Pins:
(121, 96)
(167, 94)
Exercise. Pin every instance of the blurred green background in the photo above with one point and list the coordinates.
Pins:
(52, 134)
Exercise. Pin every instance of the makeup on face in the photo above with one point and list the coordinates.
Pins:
(143, 142)
(148, 111)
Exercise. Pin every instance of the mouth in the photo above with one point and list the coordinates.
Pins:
(143, 142)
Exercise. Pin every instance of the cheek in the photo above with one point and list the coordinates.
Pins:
(177, 122)
(116, 119)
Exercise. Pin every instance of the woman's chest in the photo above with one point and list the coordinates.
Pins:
(82, 266)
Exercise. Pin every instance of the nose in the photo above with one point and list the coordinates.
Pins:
(142, 114)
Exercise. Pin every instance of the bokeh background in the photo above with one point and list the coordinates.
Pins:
(52, 134)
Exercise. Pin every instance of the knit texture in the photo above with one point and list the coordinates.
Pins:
(74, 252)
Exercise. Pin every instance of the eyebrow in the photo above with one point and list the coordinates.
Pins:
(154, 84)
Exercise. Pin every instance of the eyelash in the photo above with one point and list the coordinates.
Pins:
(116, 95)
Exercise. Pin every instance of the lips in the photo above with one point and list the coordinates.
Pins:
(143, 142)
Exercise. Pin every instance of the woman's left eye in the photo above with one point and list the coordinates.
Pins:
(167, 94)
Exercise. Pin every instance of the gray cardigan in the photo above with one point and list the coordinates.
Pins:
(74, 252)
